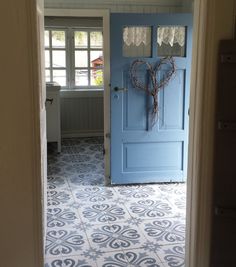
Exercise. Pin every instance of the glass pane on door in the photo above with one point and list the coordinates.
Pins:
(137, 41)
(171, 41)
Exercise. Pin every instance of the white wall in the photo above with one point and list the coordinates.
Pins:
(139, 6)
(20, 196)
(82, 116)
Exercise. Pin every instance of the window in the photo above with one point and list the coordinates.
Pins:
(55, 56)
(137, 41)
(171, 41)
(74, 57)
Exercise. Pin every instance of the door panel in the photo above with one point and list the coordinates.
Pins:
(171, 104)
(138, 156)
(142, 152)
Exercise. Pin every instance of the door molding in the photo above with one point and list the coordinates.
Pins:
(213, 21)
(105, 15)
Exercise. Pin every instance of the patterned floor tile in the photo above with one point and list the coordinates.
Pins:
(83, 226)
(93, 194)
(142, 258)
(93, 225)
(131, 193)
(115, 237)
(178, 204)
(101, 237)
(74, 149)
(84, 179)
(61, 169)
(64, 242)
(103, 212)
(173, 189)
(57, 197)
(72, 261)
(57, 182)
(134, 221)
(113, 259)
(59, 216)
(164, 231)
(150, 208)
(172, 255)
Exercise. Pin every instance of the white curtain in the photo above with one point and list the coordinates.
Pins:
(142, 35)
(171, 35)
(137, 35)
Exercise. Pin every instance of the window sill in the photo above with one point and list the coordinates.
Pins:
(68, 93)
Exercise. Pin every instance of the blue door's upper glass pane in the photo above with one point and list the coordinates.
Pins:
(137, 41)
(171, 41)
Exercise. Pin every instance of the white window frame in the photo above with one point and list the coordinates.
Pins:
(50, 49)
(88, 49)
(70, 57)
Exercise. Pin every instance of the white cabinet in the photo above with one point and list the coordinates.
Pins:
(53, 114)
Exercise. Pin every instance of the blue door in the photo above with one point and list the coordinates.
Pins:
(149, 130)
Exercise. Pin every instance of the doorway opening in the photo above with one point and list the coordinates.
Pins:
(94, 224)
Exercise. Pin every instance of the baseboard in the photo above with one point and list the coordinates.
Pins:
(73, 134)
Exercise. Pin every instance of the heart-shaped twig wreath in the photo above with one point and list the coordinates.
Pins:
(153, 86)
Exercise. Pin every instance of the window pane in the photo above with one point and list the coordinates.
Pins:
(137, 42)
(96, 39)
(96, 59)
(58, 39)
(81, 59)
(46, 38)
(47, 76)
(97, 77)
(59, 59)
(81, 39)
(171, 41)
(81, 77)
(59, 76)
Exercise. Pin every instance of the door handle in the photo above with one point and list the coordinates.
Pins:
(49, 100)
(118, 89)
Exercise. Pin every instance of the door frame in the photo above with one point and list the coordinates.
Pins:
(213, 20)
(105, 15)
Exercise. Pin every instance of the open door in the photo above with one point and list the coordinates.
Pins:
(149, 135)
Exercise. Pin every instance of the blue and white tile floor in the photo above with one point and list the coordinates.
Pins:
(93, 225)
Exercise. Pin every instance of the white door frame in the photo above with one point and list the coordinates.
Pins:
(213, 20)
(105, 15)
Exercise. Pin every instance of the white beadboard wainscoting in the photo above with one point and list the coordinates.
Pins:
(82, 116)
(129, 6)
